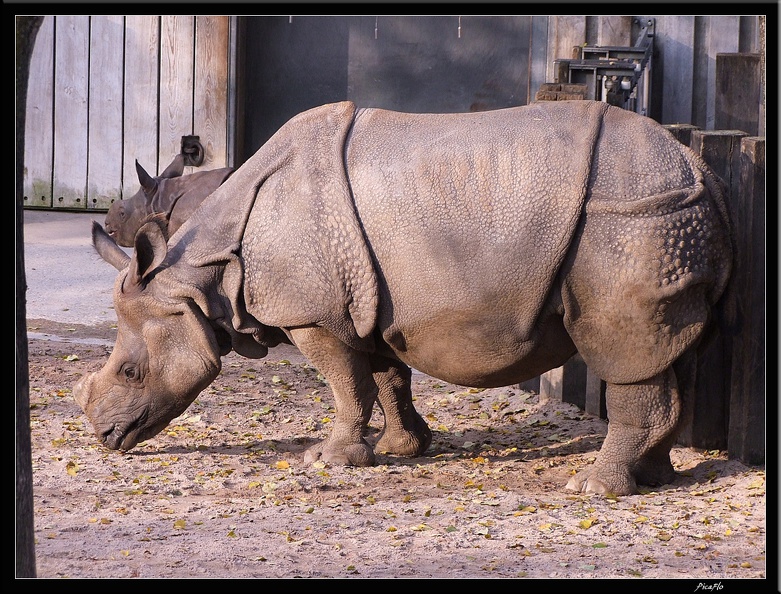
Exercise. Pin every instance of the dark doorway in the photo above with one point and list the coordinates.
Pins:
(404, 63)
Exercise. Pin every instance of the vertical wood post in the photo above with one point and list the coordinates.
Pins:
(738, 92)
(709, 423)
(682, 132)
(595, 395)
(552, 384)
(747, 406)
(566, 383)
(532, 385)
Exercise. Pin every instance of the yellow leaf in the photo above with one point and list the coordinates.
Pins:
(125, 553)
(254, 484)
(664, 536)
(586, 524)
(179, 524)
(745, 565)
(545, 526)
(72, 468)
(283, 464)
(232, 534)
(391, 529)
(641, 519)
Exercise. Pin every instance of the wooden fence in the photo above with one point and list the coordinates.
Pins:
(105, 90)
(730, 392)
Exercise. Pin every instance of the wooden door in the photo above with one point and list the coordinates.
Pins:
(107, 90)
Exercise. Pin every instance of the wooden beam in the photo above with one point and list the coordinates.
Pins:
(738, 92)
(746, 438)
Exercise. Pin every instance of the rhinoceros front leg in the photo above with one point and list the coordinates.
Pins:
(349, 375)
(405, 432)
(643, 423)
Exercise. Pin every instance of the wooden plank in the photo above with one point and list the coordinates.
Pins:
(104, 185)
(71, 67)
(39, 120)
(614, 30)
(566, 383)
(552, 385)
(141, 93)
(746, 438)
(723, 37)
(700, 75)
(682, 132)
(564, 32)
(709, 423)
(675, 39)
(177, 46)
(749, 35)
(210, 121)
(738, 92)
(532, 385)
(721, 151)
(595, 396)
(574, 381)
(538, 58)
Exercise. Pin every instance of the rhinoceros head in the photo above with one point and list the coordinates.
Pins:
(125, 217)
(166, 352)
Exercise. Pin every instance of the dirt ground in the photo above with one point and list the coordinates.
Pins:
(223, 491)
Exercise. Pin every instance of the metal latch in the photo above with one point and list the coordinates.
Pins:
(192, 149)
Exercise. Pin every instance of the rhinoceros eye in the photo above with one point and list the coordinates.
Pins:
(131, 373)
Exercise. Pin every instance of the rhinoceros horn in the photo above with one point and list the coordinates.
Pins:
(107, 248)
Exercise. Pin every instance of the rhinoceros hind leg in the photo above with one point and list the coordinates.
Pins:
(643, 423)
(405, 432)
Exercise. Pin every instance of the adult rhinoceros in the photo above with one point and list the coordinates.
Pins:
(171, 194)
(482, 249)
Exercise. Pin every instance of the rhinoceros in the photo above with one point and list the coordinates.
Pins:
(482, 249)
(171, 194)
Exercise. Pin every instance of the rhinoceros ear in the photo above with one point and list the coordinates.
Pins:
(150, 249)
(148, 183)
(175, 169)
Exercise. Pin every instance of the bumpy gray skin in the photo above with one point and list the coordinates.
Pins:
(482, 249)
(171, 194)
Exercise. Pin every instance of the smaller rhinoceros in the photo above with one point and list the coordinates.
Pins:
(171, 193)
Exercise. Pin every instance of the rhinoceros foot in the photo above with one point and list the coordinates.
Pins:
(405, 442)
(604, 479)
(340, 454)
(654, 472)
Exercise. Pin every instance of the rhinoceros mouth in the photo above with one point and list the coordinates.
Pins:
(123, 436)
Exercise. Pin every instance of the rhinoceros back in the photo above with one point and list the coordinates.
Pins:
(470, 212)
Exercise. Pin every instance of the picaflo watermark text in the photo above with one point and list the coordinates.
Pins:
(709, 587)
